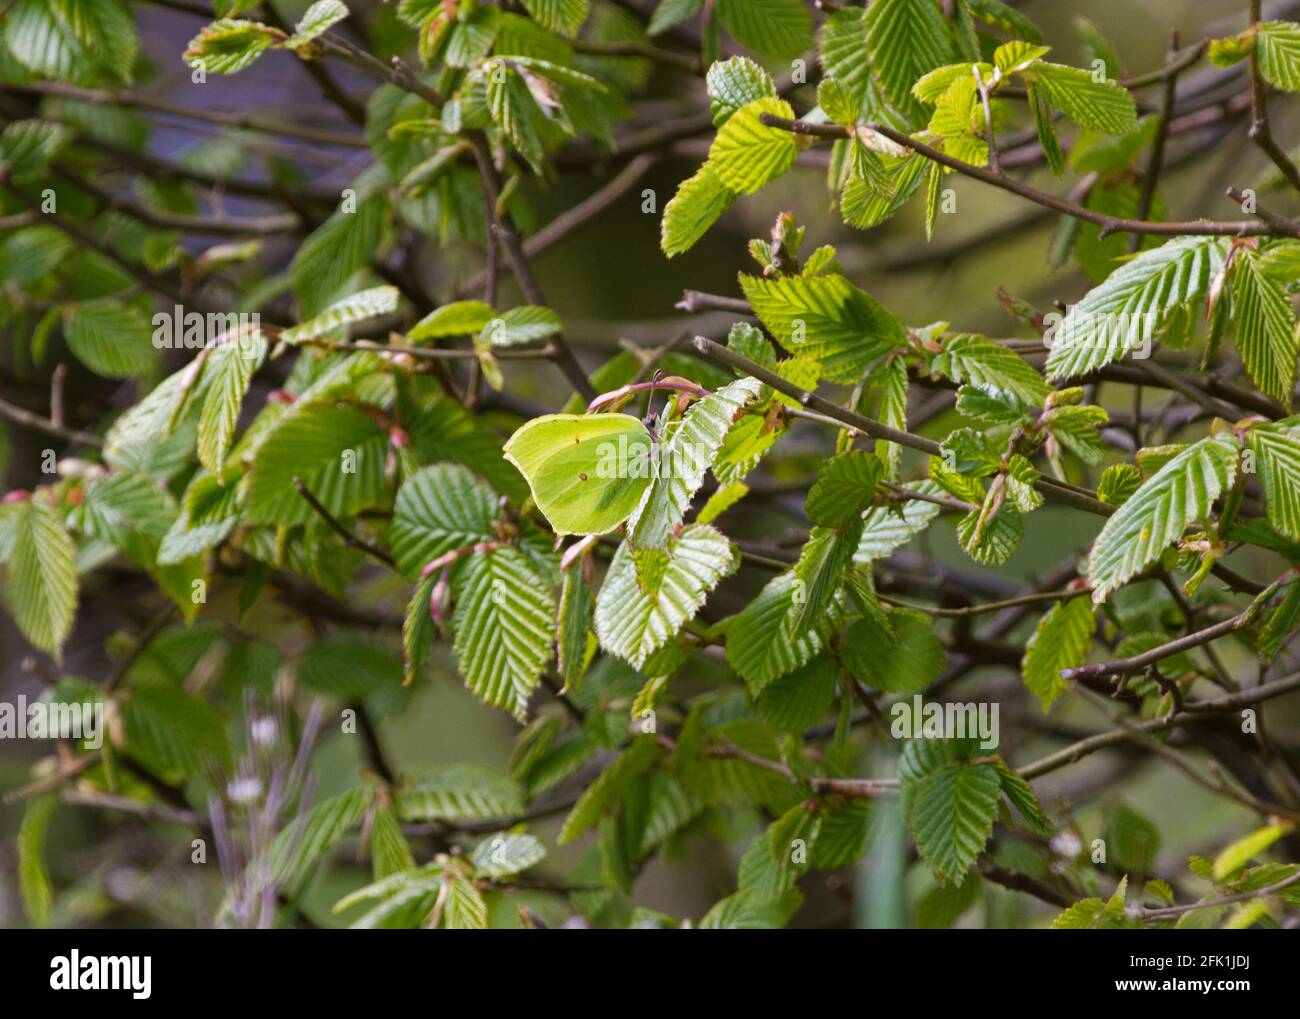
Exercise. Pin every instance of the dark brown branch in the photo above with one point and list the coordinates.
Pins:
(1260, 130)
(1108, 224)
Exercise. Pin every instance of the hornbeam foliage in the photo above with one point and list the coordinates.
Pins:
(358, 436)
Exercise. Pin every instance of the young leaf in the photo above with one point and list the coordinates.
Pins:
(1060, 641)
(1182, 491)
(774, 28)
(41, 588)
(1277, 44)
(1266, 328)
(441, 508)
(1277, 452)
(1102, 105)
(905, 39)
(735, 83)
(637, 615)
(747, 154)
(1123, 313)
(952, 816)
(826, 318)
(687, 451)
(502, 626)
(844, 488)
(699, 203)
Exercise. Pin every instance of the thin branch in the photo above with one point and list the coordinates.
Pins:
(1137, 663)
(1156, 159)
(671, 58)
(1173, 912)
(348, 537)
(1260, 131)
(578, 216)
(560, 351)
(1058, 491)
(1108, 224)
(240, 121)
(25, 417)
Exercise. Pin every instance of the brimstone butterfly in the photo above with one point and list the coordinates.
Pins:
(587, 472)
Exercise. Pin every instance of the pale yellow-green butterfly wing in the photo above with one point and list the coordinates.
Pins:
(587, 472)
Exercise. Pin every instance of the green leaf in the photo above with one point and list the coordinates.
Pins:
(905, 39)
(673, 12)
(991, 534)
(844, 488)
(637, 615)
(952, 817)
(459, 792)
(172, 733)
(826, 318)
(906, 660)
(747, 154)
(390, 853)
(348, 668)
(336, 251)
(300, 846)
(503, 627)
(361, 306)
(110, 338)
(228, 46)
(507, 853)
(1102, 105)
(574, 642)
(1277, 452)
(1241, 852)
(1277, 44)
(515, 111)
(604, 793)
(1183, 490)
(761, 640)
(27, 146)
(587, 472)
(735, 83)
(41, 586)
(824, 561)
(33, 875)
(800, 698)
(885, 528)
(1021, 795)
(842, 45)
(438, 509)
(563, 16)
(320, 17)
(226, 377)
(1266, 327)
(699, 202)
(524, 324)
(774, 28)
(1122, 314)
(1045, 129)
(338, 451)
(459, 318)
(1060, 641)
(978, 361)
(688, 448)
